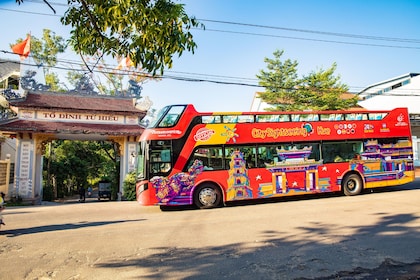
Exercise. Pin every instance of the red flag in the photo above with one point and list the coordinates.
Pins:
(23, 48)
(125, 63)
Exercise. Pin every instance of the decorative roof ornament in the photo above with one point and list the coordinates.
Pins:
(6, 96)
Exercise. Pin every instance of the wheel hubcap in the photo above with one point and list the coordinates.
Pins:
(207, 196)
(351, 185)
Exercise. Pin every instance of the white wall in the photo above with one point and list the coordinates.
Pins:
(8, 148)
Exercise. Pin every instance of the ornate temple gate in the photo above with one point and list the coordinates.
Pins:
(43, 117)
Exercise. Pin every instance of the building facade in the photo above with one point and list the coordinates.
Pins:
(401, 91)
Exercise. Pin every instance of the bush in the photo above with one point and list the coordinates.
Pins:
(129, 186)
(48, 193)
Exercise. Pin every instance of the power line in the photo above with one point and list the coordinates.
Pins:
(336, 34)
(318, 32)
(359, 36)
(42, 2)
(314, 40)
(197, 77)
(368, 37)
(28, 12)
(217, 79)
(188, 76)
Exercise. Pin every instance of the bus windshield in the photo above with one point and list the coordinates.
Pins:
(168, 116)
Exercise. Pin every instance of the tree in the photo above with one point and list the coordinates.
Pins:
(285, 91)
(71, 164)
(148, 32)
(44, 52)
(280, 81)
(129, 186)
(321, 90)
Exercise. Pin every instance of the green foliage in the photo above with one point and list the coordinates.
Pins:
(44, 52)
(129, 186)
(53, 81)
(321, 90)
(149, 32)
(285, 91)
(71, 164)
(279, 81)
(48, 193)
(73, 77)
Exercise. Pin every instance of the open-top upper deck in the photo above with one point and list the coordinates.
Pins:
(174, 121)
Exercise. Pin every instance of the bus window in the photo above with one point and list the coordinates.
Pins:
(267, 118)
(238, 155)
(356, 117)
(341, 151)
(327, 117)
(141, 160)
(273, 118)
(350, 117)
(295, 118)
(315, 151)
(246, 119)
(160, 158)
(284, 118)
(308, 117)
(298, 152)
(211, 119)
(212, 158)
(230, 119)
(376, 116)
(267, 155)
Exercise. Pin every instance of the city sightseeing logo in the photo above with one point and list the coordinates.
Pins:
(203, 134)
(400, 121)
(308, 127)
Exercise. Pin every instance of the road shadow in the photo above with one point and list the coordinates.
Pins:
(334, 256)
(415, 185)
(60, 227)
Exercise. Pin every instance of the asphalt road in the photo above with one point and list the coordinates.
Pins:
(370, 236)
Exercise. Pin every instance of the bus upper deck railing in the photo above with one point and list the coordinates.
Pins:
(263, 118)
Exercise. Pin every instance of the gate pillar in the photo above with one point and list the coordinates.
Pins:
(128, 155)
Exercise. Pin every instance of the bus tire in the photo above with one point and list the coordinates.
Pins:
(207, 196)
(352, 184)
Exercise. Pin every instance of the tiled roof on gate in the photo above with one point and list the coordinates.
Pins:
(8, 68)
(72, 102)
(73, 128)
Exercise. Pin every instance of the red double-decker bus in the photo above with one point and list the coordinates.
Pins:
(207, 159)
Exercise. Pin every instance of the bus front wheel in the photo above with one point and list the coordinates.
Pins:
(207, 196)
(352, 185)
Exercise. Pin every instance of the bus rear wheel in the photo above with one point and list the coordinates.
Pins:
(207, 196)
(352, 185)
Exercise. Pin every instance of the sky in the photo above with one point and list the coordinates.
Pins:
(370, 41)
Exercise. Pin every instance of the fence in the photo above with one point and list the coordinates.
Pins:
(4, 175)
